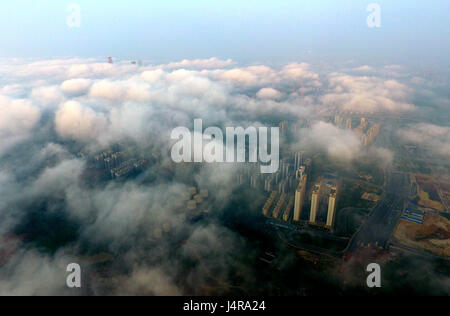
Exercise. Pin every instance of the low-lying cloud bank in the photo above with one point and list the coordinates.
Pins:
(55, 114)
(433, 138)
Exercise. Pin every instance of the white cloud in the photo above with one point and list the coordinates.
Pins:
(153, 76)
(343, 145)
(12, 89)
(47, 96)
(18, 116)
(269, 93)
(249, 76)
(59, 177)
(367, 94)
(364, 68)
(298, 71)
(76, 86)
(433, 138)
(106, 89)
(73, 120)
(200, 63)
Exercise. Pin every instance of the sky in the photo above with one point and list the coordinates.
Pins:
(247, 31)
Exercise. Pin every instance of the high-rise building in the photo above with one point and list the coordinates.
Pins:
(371, 134)
(331, 209)
(308, 166)
(314, 203)
(268, 204)
(279, 206)
(255, 181)
(349, 123)
(300, 171)
(298, 160)
(268, 184)
(299, 198)
(283, 127)
(288, 209)
(362, 126)
(283, 187)
(338, 120)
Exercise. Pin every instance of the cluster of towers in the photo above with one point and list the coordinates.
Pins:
(362, 126)
(370, 135)
(189, 206)
(366, 136)
(288, 190)
(281, 201)
(196, 201)
(343, 122)
(288, 205)
(117, 163)
(285, 180)
(323, 192)
(283, 127)
(109, 159)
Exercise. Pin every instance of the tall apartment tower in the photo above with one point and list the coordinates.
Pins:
(299, 172)
(331, 208)
(298, 160)
(283, 127)
(279, 206)
(338, 120)
(288, 209)
(314, 203)
(299, 198)
(349, 123)
(267, 206)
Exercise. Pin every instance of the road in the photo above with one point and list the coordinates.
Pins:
(378, 227)
(417, 252)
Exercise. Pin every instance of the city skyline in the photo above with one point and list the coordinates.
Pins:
(135, 156)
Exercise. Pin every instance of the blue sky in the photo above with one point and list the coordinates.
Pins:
(244, 30)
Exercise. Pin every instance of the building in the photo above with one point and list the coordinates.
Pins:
(283, 127)
(371, 134)
(288, 209)
(308, 166)
(362, 126)
(331, 206)
(192, 191)
(255, 181)
(300, 172)
(268, 184)
(314, 203)
(298, 160)
(300, 197)
(338, 120)
(278, 207)
(269, 203)
(191, 205)
(349, 123)
(283, 187)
